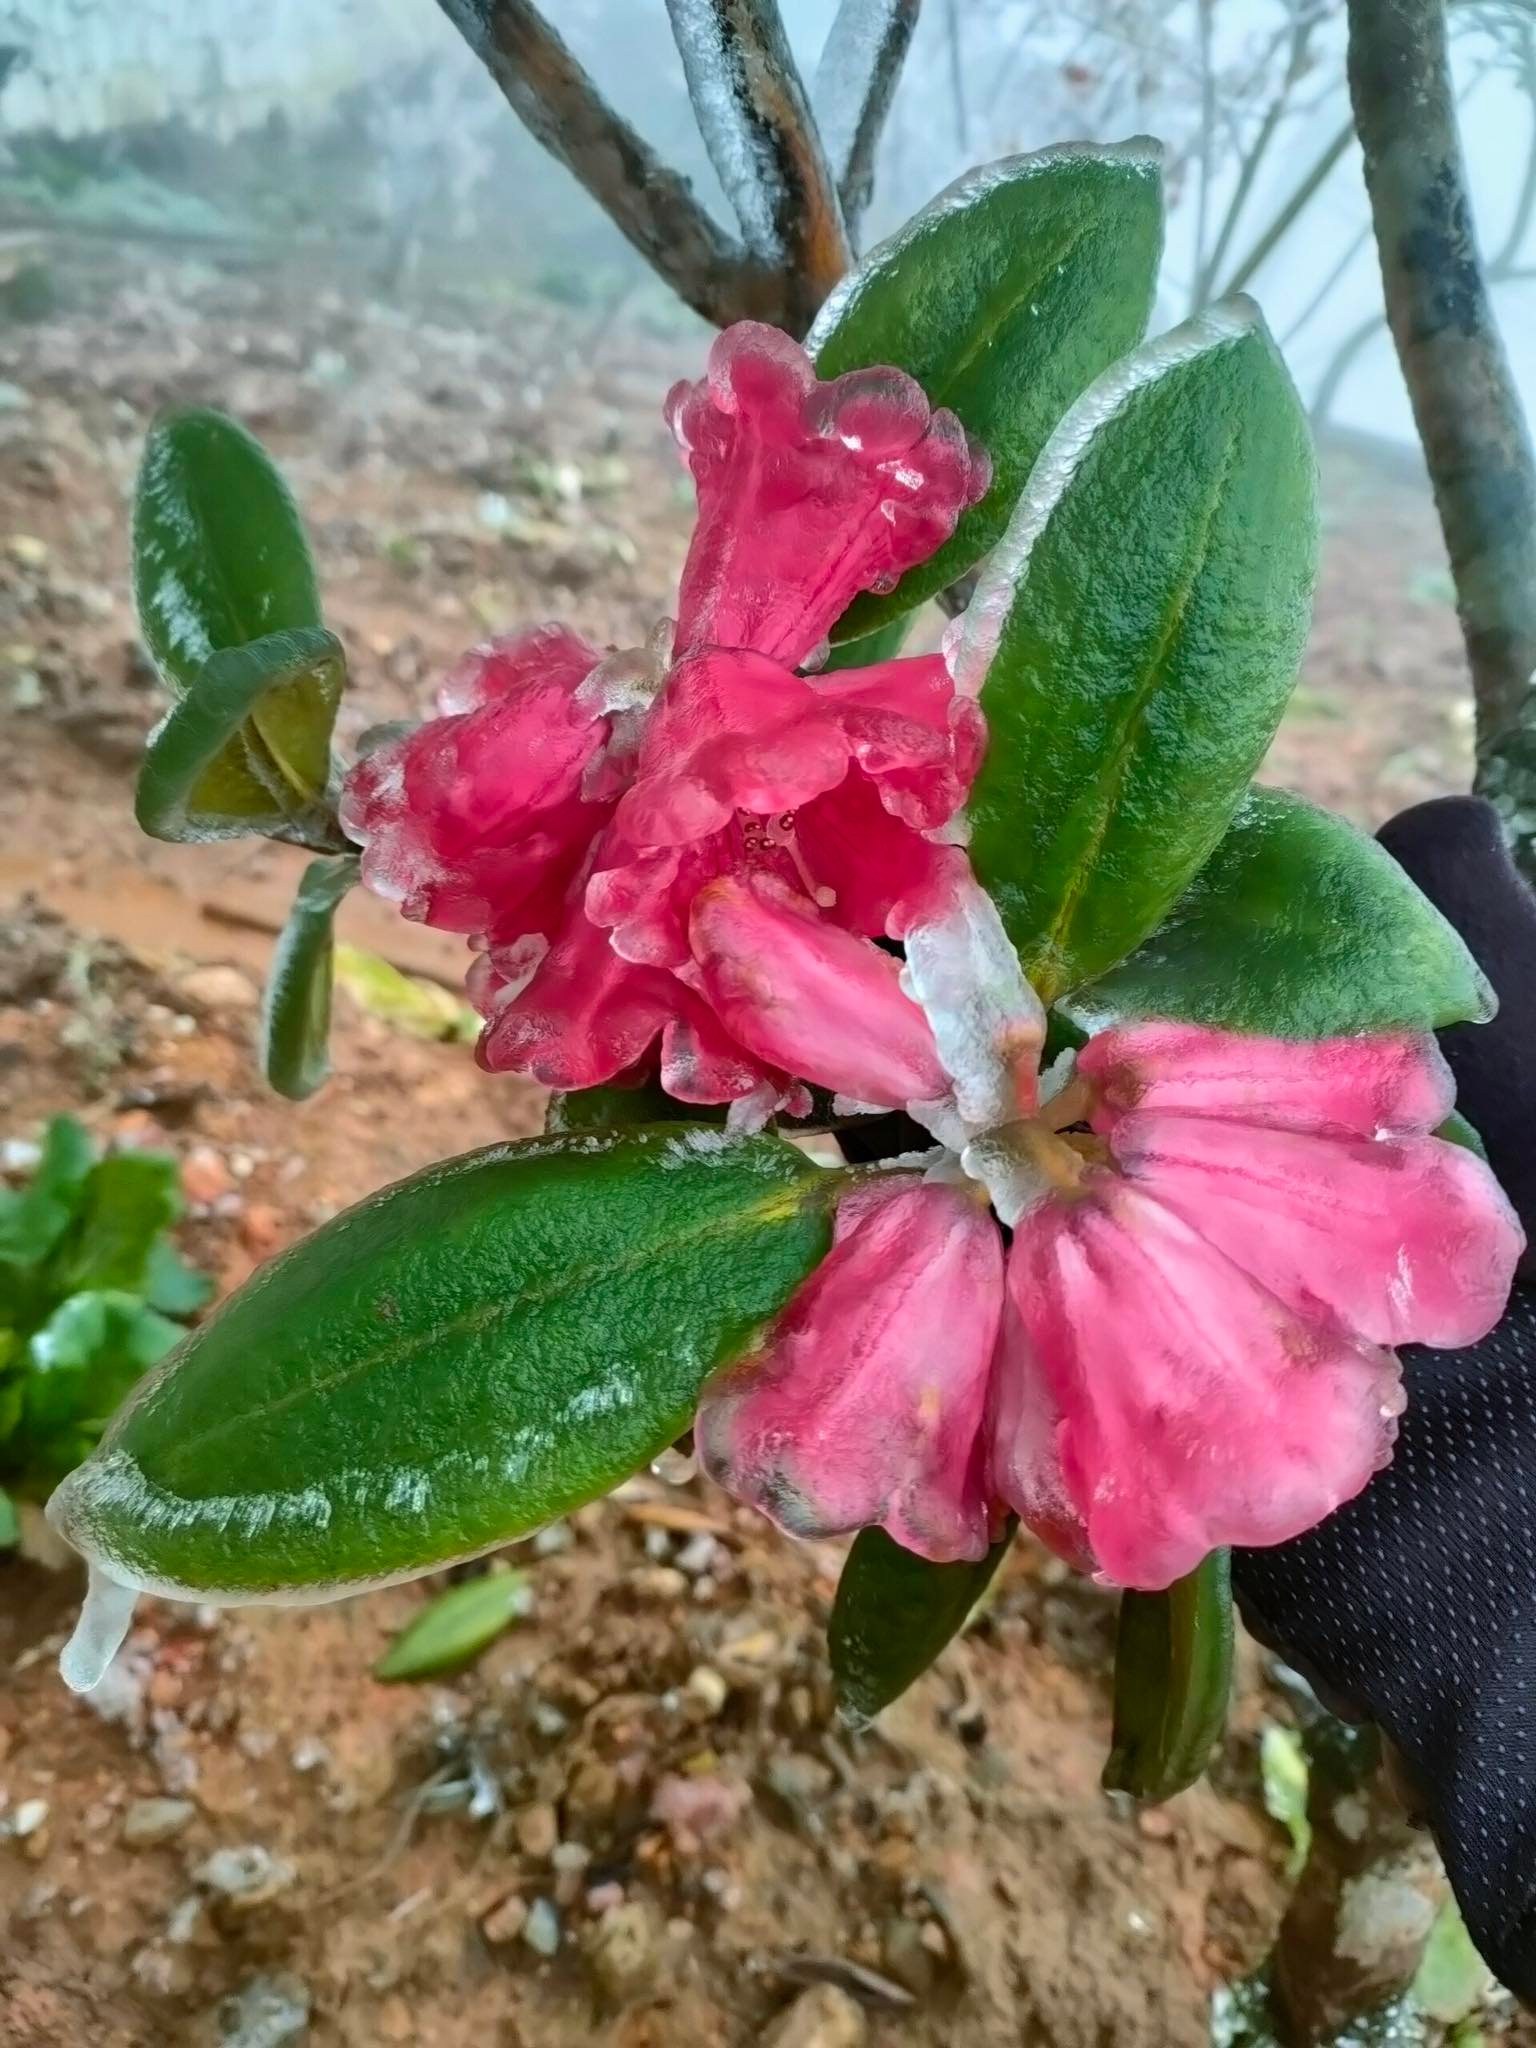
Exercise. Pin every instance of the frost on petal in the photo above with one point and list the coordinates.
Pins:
(865, 1406)
(1396, 1082)
(809, 492)
(863, 859)
(809, 998)
(515, 665)
(1405, 1240)
(583, 1017)
(987, 1021)
(1197, 1409)
(908, 730)
(475, 822)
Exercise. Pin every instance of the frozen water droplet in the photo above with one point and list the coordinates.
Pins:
(104, 1622)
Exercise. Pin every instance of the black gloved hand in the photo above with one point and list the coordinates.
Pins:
(1415, 1605)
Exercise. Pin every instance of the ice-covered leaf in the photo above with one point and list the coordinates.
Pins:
(455, 1361)
(610, 1108)
(1004, 298)
(1173, 1678)
(191, 785)
(893, 1614)
(452, 1630)
(1135, 637)
(1301, 927)
(219, 560)
(296, 1008)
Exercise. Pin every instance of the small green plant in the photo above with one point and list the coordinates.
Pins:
(91, 1293)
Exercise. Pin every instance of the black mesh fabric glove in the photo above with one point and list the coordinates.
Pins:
(1415, 1605)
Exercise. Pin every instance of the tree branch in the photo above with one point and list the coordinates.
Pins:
(1286, 217)
(1464, 400)
(647, 201)
(757, 126)
(856, 78)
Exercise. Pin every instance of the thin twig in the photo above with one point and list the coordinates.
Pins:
(756, 122)
(1468, 412)
(1253, 159)
(1205, 12)
(856, 78)
(1288, 215)
(647, 201)
(957, 76)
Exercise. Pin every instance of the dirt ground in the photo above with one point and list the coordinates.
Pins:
(638, 1821)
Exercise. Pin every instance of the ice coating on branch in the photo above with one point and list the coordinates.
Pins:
(864, 1406)
(105, 1619)
(571, 807)
(809, 492)
(855, 74)
(988, 1023)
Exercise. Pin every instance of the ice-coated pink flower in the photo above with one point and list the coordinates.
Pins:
(865, 1406)
(1216, 1239)
(569, 812)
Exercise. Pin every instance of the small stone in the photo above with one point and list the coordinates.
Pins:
(707, 1690)
(1154, 1824)
(538, 1830)
(204, 1176)
(823, 2017)
(219, 987)
(592, 1792)
(266, 2012)
(261, 1229)
(505, 1921)
(661, 1583)
(541, 1930)
(27, 549)
(149, 1822)
(248, 1876)
(27, 1822)
(623, 1953)
(906, 1956)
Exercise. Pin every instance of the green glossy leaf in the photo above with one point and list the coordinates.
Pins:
(1004, 298)
(125, 1202)
(1173, 1678)
(1301, 927)
(884, 644)
(296, 1008)
(601, 1109)
(1457, 1131)
(219, 560)
(186, 789)
(1135, 637)
(90, 1353)
(452, 1630)
(10, 1522)
(893, 1614)
(34, 1218)
(452, 1363)
(173, 1286)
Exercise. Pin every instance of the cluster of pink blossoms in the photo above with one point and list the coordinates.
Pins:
(678, 861)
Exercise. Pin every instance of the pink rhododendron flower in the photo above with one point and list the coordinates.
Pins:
(592, 822)
(1215, 1238)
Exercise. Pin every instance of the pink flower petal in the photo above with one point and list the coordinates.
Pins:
(1024, 1432)
(475, 822)
(865, 1406)
(808, 492)
(1397, 1082)
(732, 732)
(1197, 1409)
(1405, 1240)
(853, 846)
(809, 998)
(909, 730)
